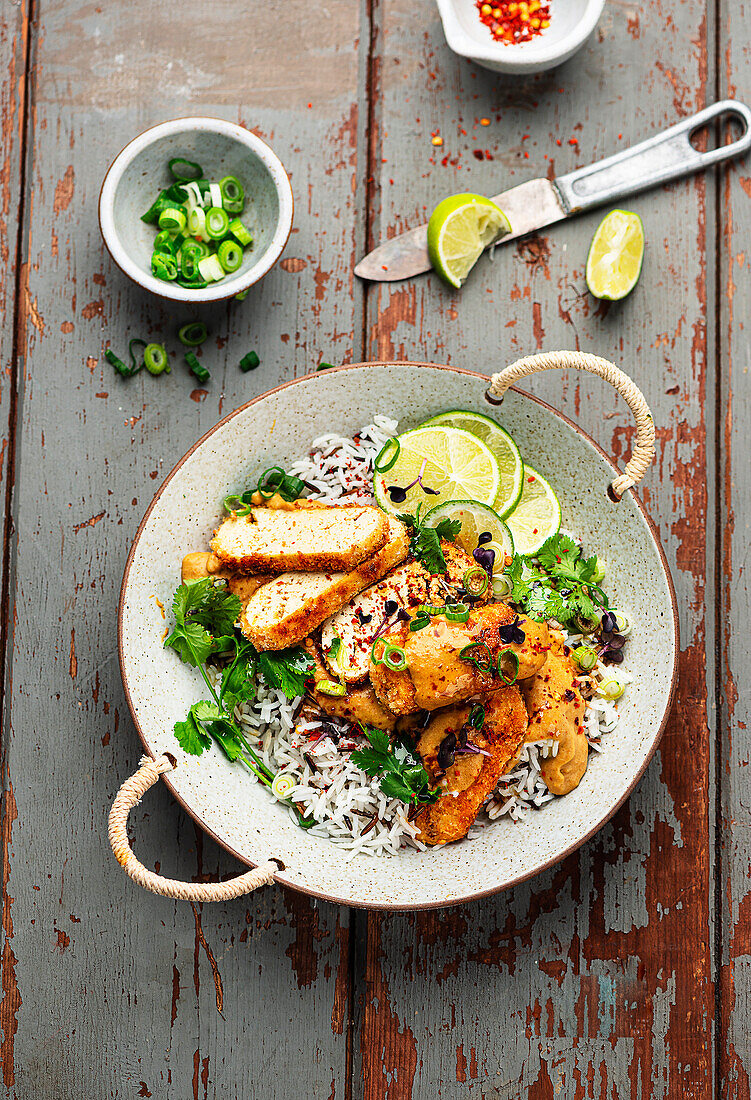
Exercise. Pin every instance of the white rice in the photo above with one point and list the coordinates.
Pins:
(349, 808)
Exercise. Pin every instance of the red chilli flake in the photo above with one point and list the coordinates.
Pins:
(514, 21)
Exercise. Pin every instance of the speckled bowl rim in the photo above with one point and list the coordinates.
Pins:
(225, 290)
(280, 878)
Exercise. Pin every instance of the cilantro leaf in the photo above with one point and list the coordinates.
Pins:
(425, 542)
(191, 642)
(286, 669)
(402, 774)
(238, 678)
(558, 550)
(190, 734)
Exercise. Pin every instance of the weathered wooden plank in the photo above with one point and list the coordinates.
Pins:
(116, 990)
(734, 499)
(596, 978)
(18, 317)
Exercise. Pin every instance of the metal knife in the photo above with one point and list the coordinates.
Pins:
(666, 156)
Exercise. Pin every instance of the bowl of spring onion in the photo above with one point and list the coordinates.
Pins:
(196, 209)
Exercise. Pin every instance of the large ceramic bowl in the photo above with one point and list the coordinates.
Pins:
(274, 429)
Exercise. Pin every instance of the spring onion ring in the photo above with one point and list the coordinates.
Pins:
(475, 581)
(478, 653)
(193, 334)
(382, 464)
(230, 256)
(456, 612)
(233, 194)
(240, 232)
(331, 687)
(507, 666)
(196, 369)
(155, 358)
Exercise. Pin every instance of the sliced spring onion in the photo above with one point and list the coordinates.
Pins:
(230, 256)
(282, 784)
(331, 687)
(210, 269)
(622, 622)
(612, 688)
(599, 573)
(155, 358)
(215, 193)
(502, 586)
(164, 242)
(270, 481)
(120, 367)
(195, 198)
(193, 334)
(151, 217)
(192, 284)
(249, 362)
(238, 505)
(508, 666)
(479, 654)
(189, 260)
(183, 169)
(197, 369)
(585, 625)
(176, 193)
(394, 658)
(172, 218)
(388, 454)
(431, 609)
(456, 612)
(240, 232)
(475, 581)
(419, 623)
(325, 366)
(585, 657)
(476, 717)
(136, 343)
(233, 194)
(242, 295)
(217, 223)
(377, 658)
(197, 222)
(163, 266)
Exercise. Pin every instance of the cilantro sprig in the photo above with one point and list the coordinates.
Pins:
(557, 583)
(425, 541)
(401, 773)
(205, 614)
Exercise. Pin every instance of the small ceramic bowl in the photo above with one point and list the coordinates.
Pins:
(277, 428)
(222, 148)
(571, 23)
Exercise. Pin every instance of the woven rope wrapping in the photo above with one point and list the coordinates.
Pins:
(130, 795)
(644, 450)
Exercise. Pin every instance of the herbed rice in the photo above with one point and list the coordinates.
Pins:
(348, 806)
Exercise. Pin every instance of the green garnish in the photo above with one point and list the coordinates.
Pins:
(205, 613)
(387, 456)
(507, 666)
(249, 361)
(193, 334)
(155, 359)
(197, 369)
(120, 367)
(557, 583)
(401, 773)
(325, 366)
(331, 687)
(198, 243)
(425, 542)
(382, 652)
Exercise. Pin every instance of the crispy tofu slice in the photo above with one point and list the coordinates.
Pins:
(286, 609)
(358, 623)
(468, 781)
(358, 705)
(302, 538)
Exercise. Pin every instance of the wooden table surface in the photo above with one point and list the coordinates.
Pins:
(626, 970)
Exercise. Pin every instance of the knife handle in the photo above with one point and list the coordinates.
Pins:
(666, 156)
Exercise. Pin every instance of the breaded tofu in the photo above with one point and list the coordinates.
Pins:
(358, 705)
(359, 622)
(287, 608)
(436, 675)
(468, 781)
(556, 709)
(305, 539)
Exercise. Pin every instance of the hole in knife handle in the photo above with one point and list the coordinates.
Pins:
(723, 130)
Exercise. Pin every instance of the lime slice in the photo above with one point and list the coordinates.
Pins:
(460, 229)
(503, 447)
(615, 255)
(537, 516)
(453, 462)
(476, 519)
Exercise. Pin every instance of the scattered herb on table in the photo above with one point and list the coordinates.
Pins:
(401, 773)
(425, 541)
(249, 362)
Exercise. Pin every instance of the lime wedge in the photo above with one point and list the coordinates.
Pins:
(460, 228)
(615, 255)
(537, 516)
(503, 447)
(476, 519)
(450, 462)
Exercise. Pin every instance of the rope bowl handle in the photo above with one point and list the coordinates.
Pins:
(644, 449)
(130, 795)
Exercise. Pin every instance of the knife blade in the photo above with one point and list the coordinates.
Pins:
(666, 156)
(528, 206)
